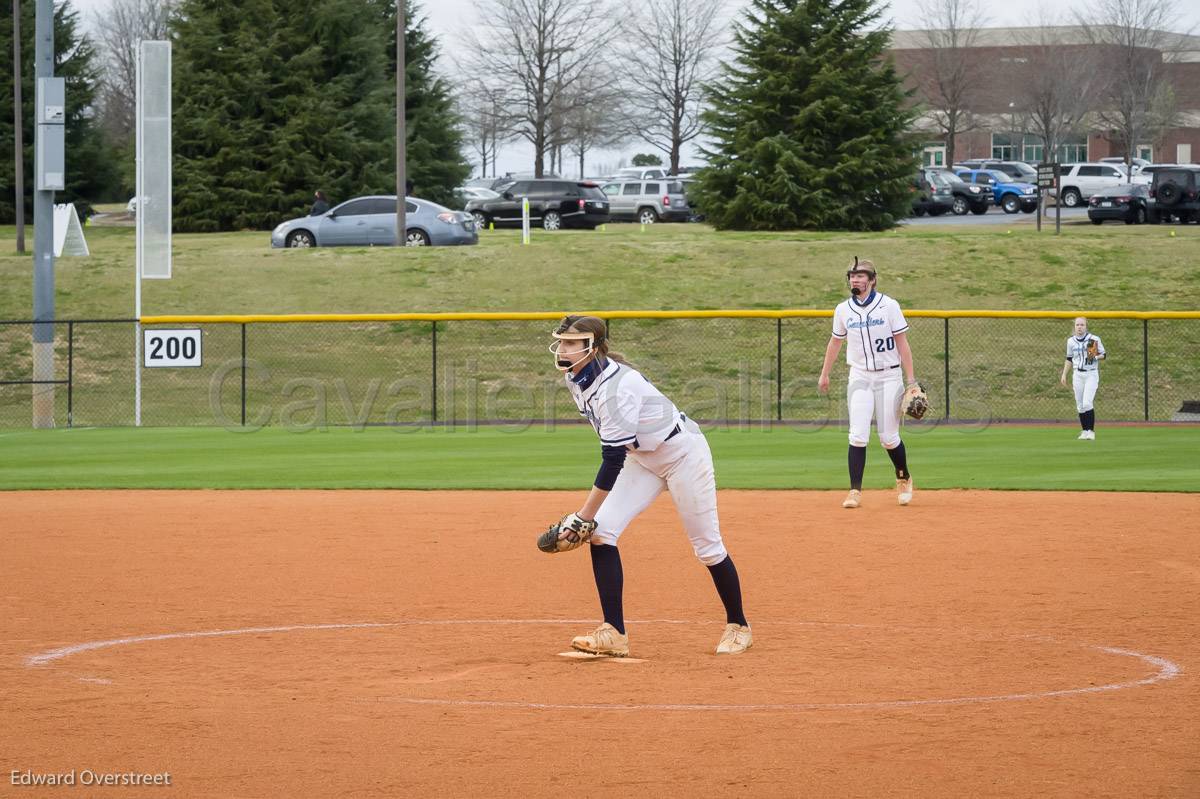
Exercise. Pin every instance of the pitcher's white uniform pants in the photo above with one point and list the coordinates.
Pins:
(684, 467)
(1085, 384)
(875, 394)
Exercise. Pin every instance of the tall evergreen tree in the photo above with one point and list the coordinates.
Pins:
(809, 122)
(275, 100)
(92, 175)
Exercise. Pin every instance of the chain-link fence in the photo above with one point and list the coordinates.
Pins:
(452, 369)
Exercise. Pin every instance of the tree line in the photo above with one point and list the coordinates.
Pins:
(805, 117)
(806, 121)
(272, 101)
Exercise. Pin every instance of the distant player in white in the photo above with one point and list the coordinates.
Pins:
(647, 446)
(874, 330)
(1087, 374)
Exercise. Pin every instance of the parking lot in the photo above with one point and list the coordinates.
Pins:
(996, 216)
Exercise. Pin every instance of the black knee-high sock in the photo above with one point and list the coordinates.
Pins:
(900, 461)
(1089, 422)
(858, 465)
(729, 587)
(610, 582)
(1083, 420)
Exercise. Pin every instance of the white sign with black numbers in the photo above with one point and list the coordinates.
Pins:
(171, 348)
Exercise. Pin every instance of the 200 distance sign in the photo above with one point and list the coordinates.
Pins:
(174, 348)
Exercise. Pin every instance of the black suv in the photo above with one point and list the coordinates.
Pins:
(967, 196)
(1174, 193)
(930, 193)
(553, 204)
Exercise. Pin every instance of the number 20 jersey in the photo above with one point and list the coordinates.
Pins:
(869, 331)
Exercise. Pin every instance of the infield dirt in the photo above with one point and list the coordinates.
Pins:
(394, 643)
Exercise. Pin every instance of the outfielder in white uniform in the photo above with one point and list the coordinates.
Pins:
(1087, 375)
(874, 330)
(647, 446)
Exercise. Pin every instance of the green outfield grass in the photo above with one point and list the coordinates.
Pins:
(1004, 369)
(1007, 457)
(668, 266)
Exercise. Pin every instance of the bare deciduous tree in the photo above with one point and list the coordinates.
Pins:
(487, 121)
(669, 52)
(1136, 41)
(1058, 84)
(949, 85)
(119, 29)
(543, 48)
(599, 123)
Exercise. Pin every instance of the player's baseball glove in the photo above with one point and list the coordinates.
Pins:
(1092, 351)
(578, 532)
(915, 401)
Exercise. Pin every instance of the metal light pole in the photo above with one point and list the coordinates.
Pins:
(401, 129)
(50, 114)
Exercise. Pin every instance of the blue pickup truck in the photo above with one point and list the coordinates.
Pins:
(1008, 194)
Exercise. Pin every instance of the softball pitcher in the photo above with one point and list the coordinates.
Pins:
(646, 446)
(873, 328)
(1084, 354)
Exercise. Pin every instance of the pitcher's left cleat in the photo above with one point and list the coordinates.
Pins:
(904, 491)
(736, 639)
(604, 640)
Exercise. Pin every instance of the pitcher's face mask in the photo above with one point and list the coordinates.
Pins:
(570, 348)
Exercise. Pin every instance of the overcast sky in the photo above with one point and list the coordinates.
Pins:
(448, 20)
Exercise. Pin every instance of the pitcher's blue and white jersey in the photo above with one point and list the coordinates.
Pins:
(624, 407)
(1077, 352)
(869, 331)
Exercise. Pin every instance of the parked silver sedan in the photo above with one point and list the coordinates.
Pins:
(371, 221)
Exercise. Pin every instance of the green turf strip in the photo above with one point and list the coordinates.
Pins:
(1003, 457)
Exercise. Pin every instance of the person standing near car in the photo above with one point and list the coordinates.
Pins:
(1084, 354)
(320, 204)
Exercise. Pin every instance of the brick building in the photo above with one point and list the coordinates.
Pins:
(1002, 127)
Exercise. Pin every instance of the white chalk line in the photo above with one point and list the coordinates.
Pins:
(1167, 669)
(74, 649)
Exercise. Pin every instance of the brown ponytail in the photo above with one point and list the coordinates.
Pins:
(599, 331)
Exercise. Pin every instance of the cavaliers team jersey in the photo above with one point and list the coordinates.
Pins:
(622, 405)
(1077, 352)
(869, 331)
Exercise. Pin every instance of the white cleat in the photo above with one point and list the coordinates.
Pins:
(904, 491)
(1083, 435)
(1091, 435)
(735, 640)
(853, 499)
(604, 640)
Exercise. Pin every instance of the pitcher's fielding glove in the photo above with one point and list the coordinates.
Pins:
(570, 532)
(915, 401)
